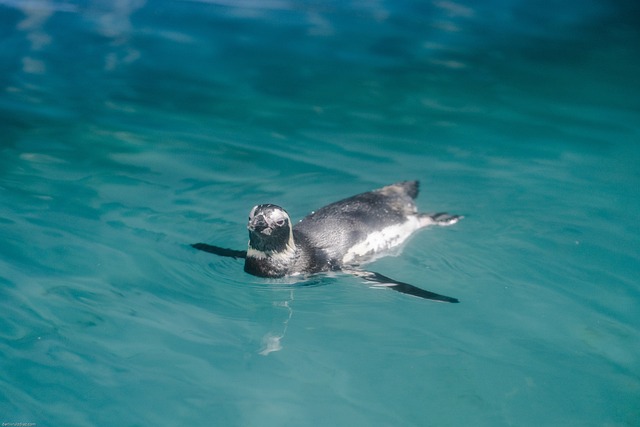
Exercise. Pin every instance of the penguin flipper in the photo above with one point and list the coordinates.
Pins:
(402, 287)
(217, 250)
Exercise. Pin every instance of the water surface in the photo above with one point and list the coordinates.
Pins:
(130, 130)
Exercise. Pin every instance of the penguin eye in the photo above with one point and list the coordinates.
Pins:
(280, 222)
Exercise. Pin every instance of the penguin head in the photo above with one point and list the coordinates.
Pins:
(269, 229)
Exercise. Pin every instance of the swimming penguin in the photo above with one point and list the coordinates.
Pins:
(338, 237)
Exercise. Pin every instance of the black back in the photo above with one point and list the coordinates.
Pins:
(337, 227)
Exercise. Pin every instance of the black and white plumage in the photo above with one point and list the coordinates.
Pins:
(339, 236)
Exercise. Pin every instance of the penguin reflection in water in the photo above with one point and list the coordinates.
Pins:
(338, 237)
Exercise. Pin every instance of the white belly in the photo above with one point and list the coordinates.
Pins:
(382, 240)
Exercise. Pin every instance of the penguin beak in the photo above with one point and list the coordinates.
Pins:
(259, 224)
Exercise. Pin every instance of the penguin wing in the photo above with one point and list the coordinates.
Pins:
(405, 288)
(217, 250)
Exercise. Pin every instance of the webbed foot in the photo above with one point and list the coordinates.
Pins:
(440, 218)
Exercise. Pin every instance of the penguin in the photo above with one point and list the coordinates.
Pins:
(341, 236)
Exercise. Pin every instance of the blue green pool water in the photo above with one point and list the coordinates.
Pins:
(131, 129)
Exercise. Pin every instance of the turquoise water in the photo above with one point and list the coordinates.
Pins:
(131, 129)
